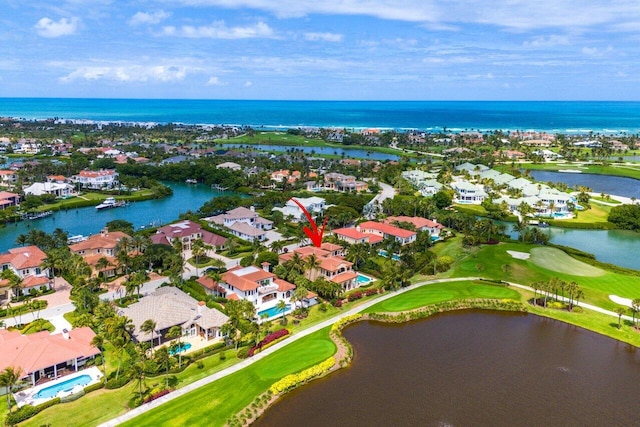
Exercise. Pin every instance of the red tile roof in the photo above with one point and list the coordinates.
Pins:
(386, 229)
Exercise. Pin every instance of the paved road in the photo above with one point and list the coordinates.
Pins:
(246, 362)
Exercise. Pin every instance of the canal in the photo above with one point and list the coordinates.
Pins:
(355, 153)
(471, 368)
(89, 220)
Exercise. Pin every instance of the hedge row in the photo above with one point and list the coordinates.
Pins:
(345, 321)
(294, 380)
(28, 411)
(269, 339)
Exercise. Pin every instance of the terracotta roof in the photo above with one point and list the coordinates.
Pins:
(331, 247)
(350, 233)
(334, 263)
(246, 279)
(386, 229)
(343, 277)
(283, 285)
(208, 283)
(24, 257)
(418, 222)
(99, 241)
(34, 281)
(37, 351)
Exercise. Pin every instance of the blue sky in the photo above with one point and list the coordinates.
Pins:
(321, 49)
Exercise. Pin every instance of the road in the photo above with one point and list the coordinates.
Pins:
(294, 337)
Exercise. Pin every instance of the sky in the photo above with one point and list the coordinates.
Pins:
(321, 49)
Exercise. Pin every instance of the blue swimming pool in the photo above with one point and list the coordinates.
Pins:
(53, 390)
(362, 279)
(273, 311)
(384, 253)
(180, 348)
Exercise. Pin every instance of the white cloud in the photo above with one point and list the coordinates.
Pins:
(594, 51)
(547, 41)
(325, 37)
(219, 30)
(46, 27)
(149, 18)
(128, 73)
(248, 84)
(213, 81)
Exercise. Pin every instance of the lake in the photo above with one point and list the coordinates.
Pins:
(471, 368)
(89, 220)
(355, 153)
(620, 186)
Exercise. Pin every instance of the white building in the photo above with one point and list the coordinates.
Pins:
(313, 205)
(243, 223)
(104, 178)
(468, 193)
(57, 189)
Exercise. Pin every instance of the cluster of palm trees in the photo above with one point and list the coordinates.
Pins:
(568, 291)
(9, 378)
(635, 308)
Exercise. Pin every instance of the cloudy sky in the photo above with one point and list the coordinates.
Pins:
(321, 49)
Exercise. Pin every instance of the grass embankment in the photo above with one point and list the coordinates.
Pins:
(594, 218)
(92, 199)
(214, 403)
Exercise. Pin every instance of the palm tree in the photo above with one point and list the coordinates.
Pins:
(312, 263)
(299, 294)
(98, 342)
(175, 332)
(276, 246)
(620, 311)
(8, 379)
(282, 307)
(138, 371)
(101, 266)
(163, 359)
(635, 307)
(198, 250)
(149, 327)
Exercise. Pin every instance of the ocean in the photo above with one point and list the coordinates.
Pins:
(571, 117)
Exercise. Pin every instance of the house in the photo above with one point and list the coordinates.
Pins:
(331, 264)
(8, 177)
(243, 223)
(313, 205)
(27, 262)
(8, 199)
(420, 224)
(263, 288)
(168, 306)
(186, 232)
(104, 178)
(229, 165)
(339, 182)
(102, 245)
(471, 168)
(53, 188)
(42, 355)
(467, 192)
(387, 231)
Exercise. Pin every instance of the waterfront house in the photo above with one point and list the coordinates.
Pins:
(102, 245)
(8, 178)
(8, 199)
(404, 237)
(42, 355)
(314, 205)
(419, 223)
(467, 192)
(263, 288)
(243, 223)
(26, 262)
(340, 182)
(53, 188)
(168, 306)
(102, 179)
(186, 232)
(229, 165)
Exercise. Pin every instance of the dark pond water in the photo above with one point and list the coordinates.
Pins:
(347, 152)
(607, 184)
(473, 368)
(89, 220)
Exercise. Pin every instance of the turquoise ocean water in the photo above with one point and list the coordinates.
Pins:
(566, 117)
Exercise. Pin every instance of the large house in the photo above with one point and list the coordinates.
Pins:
(8, 199)
(102, 245)
(420, 224)
(104, 178)
(313, 205)
(331, 264)
(168, 306)
(263, 288)
(53, 188)
(339, 182)
(27, 263)
(243, 223)
(404, 237)
(8, 177)
(469, 193)
(186, 232)
(42, 355)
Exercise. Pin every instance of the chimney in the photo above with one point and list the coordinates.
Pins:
(265, 266)
(201, 304)
(253, 209)
(65, 334)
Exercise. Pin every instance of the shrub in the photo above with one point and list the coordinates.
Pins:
(371, 291)
(337, 303)
(223, 356)
(345, 321)
(323, 307)
(156, 395)
(93, 387)
(268, 340)
(293, 380)
(116, 383)
(243, 353)
(354, 296)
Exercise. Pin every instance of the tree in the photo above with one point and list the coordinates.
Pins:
(149, 327)
(101, 266)
(175, 332)
(635, 307)
(299, 294)
(163, 359)
(312, 263)
(8, 379)
(98, 342)
(120, 225)
(620, 311)
(198, 249)
(138, 372)
(282, 307)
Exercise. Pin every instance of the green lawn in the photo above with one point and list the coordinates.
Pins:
(556, 260)
(613, 169)
(213, 404)
(439, 292)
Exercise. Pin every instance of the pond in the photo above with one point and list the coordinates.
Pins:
(620, 186)
(471, 368)
(347, 152)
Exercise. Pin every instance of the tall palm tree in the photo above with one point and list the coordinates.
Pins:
(198, 250)
(276, 246)
(313, 264)
(163, 359)
(299, 294)
(138, 372)
(101, 266)
(620, 311)
(635, 307)
(98, 342)
(8, 379)
(282, 307)
(175, 332)
(149, 327)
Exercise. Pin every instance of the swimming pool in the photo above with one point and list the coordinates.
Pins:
(180, 348)
(273, 311)
(68, 385)
(362, 279)
(384, 253)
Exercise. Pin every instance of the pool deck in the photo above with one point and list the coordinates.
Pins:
(27, 397)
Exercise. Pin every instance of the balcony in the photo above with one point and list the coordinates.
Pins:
(265, 289)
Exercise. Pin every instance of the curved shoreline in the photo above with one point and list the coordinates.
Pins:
(355, 310)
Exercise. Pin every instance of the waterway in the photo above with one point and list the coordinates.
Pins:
(607, 184)
(89, 220)
(472, 368)
(355, 153)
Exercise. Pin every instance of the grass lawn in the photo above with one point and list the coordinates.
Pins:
(613, 169)
(556, 260)
(213, 404)
(598, 216)
(439, 292)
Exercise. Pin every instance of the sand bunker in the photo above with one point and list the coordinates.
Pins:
(620, 300)
(519, 255)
